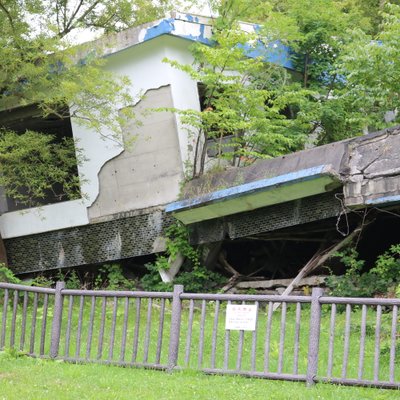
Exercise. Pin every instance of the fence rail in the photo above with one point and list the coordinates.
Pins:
(350, 341)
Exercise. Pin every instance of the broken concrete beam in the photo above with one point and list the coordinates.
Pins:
(275, 283)
(168, 275)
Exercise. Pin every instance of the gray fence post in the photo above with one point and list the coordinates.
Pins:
(313, 343)
(56, 325)
(175, 327)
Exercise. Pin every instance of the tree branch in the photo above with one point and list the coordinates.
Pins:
(74, 13)
(8, 14)
(72, 25)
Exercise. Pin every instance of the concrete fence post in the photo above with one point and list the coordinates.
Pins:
(57, 317)
(313, 343)
(175, 327)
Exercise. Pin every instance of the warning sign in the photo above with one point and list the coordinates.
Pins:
(241, 317)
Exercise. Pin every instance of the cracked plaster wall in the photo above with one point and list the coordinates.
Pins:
(148, 172)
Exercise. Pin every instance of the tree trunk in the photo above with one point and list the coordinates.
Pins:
(3, 252)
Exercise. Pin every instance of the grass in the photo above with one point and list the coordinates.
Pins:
(27, 378)
(191, 382)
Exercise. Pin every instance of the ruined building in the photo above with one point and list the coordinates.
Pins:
(131, 193)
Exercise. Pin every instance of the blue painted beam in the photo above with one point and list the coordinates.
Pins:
(251, 188)
(383, 200)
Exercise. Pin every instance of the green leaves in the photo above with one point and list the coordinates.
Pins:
(244, 101)
(30, 164)
(371, 66)
(382, 279)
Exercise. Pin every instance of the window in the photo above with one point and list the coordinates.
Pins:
(26, 118)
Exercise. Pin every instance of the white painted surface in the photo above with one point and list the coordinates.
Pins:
(43, 219)
(184, 94)
(97, 150)
(144, 65)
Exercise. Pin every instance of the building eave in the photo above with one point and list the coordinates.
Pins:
(257, 194)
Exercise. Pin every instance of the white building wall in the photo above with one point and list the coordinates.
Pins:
(185, 96)
(144, 66)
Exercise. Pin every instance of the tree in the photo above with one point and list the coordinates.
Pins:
(345, 77)
(243, 99)
(371, 65)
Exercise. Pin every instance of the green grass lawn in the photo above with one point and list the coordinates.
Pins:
(27, 378)
(82, 351)
(39, 379)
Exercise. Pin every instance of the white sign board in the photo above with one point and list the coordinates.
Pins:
(241, 317)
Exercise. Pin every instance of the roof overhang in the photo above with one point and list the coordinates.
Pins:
(193, 28)
(257, 194)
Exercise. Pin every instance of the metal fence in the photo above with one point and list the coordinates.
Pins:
(351, 341)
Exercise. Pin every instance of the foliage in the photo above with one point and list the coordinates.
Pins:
(42, 280)
(41, 162)
(106, 277)
(351, 59)
(192, 275)
(344, 82)
(110, 277)
(382, 279)
(6, 275)
(196, 279)
(387, 267)
(177, 242)
(371, 66)
(107, 15)
(244, 100)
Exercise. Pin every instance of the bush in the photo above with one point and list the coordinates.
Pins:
(6, 275)
(110, 277)
(195, 280)
(107, 277)
(387, 270)
(192, 275)
(382, 279)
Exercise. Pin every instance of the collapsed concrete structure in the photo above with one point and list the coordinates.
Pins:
(132, 192)
(363, 171)
(125, 187)
(277, 215)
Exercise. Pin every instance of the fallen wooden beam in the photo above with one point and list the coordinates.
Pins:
(317, 259)
(227, 266)
(274, 283)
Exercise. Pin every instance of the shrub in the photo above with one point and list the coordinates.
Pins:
(193, 276)
(6, 275)
(107, 277)
(110, 277)
(195, 280)
(382, 279)
(387, 270)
